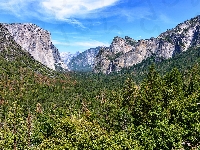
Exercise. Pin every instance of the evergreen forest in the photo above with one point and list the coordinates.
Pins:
(152, 105)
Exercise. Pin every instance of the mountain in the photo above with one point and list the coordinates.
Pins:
(6, 40)
(66, 57)
(13, 57)
(83, 61)
(125, 52)
(37, 42)
(45, 109)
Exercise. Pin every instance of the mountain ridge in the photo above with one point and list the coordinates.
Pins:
(37, 42)
(13, 55)
(67, 57)
(125, 52)
(83, 62)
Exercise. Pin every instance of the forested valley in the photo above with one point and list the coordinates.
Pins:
(152, 105)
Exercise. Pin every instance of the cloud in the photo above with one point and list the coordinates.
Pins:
(85, 44)
(55, 42)
(24, 10)
(19, 7)
(73, 21)
(69, 11)
(136, 13)
(91, 43)
(165, 18)
(72, 11)
(63, 9)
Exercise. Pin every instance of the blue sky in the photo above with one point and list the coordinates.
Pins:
(77, 25)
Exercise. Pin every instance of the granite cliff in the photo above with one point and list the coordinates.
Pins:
(84, 61)
(125, 52)
(37, 42)
(67, 57)
(7, 42)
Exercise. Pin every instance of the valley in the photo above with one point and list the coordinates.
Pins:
(141, 94)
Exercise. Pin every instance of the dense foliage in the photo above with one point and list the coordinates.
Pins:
(43, 109)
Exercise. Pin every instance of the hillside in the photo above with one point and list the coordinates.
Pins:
(20, 73)
(44, 109)
(127, 52)
(37, 42)
(12, 54)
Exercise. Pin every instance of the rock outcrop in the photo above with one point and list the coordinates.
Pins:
(67, 57)
(84, 61)
(37, 42)
(125, 52)
(6, 40)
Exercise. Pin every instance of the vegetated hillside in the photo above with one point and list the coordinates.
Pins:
(21, 73)
(183, 61)
(42, 109)
(126, 52)
(12, 53)
(37, 42)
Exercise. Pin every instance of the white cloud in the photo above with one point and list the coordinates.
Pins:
(85, 44)
(136, 13)
(60, 43)
(165, 18)
(63, 10)
(73, 21)
(22, 8)
(91, 43)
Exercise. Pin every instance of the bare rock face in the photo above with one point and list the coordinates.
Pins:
(37, 42)
(6, 40)
(125, 52)
(84, 61)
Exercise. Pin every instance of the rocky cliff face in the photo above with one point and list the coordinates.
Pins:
(37, 42)
(125, 52)
(82, 61)
(6, 40)
(67, 57)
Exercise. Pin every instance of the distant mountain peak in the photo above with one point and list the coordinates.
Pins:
(66, 57)
(83, 61)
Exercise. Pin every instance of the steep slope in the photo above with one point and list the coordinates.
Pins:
(12, 56)
(84, 61)
(37, 42)
(6, 40)
(127, 52)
